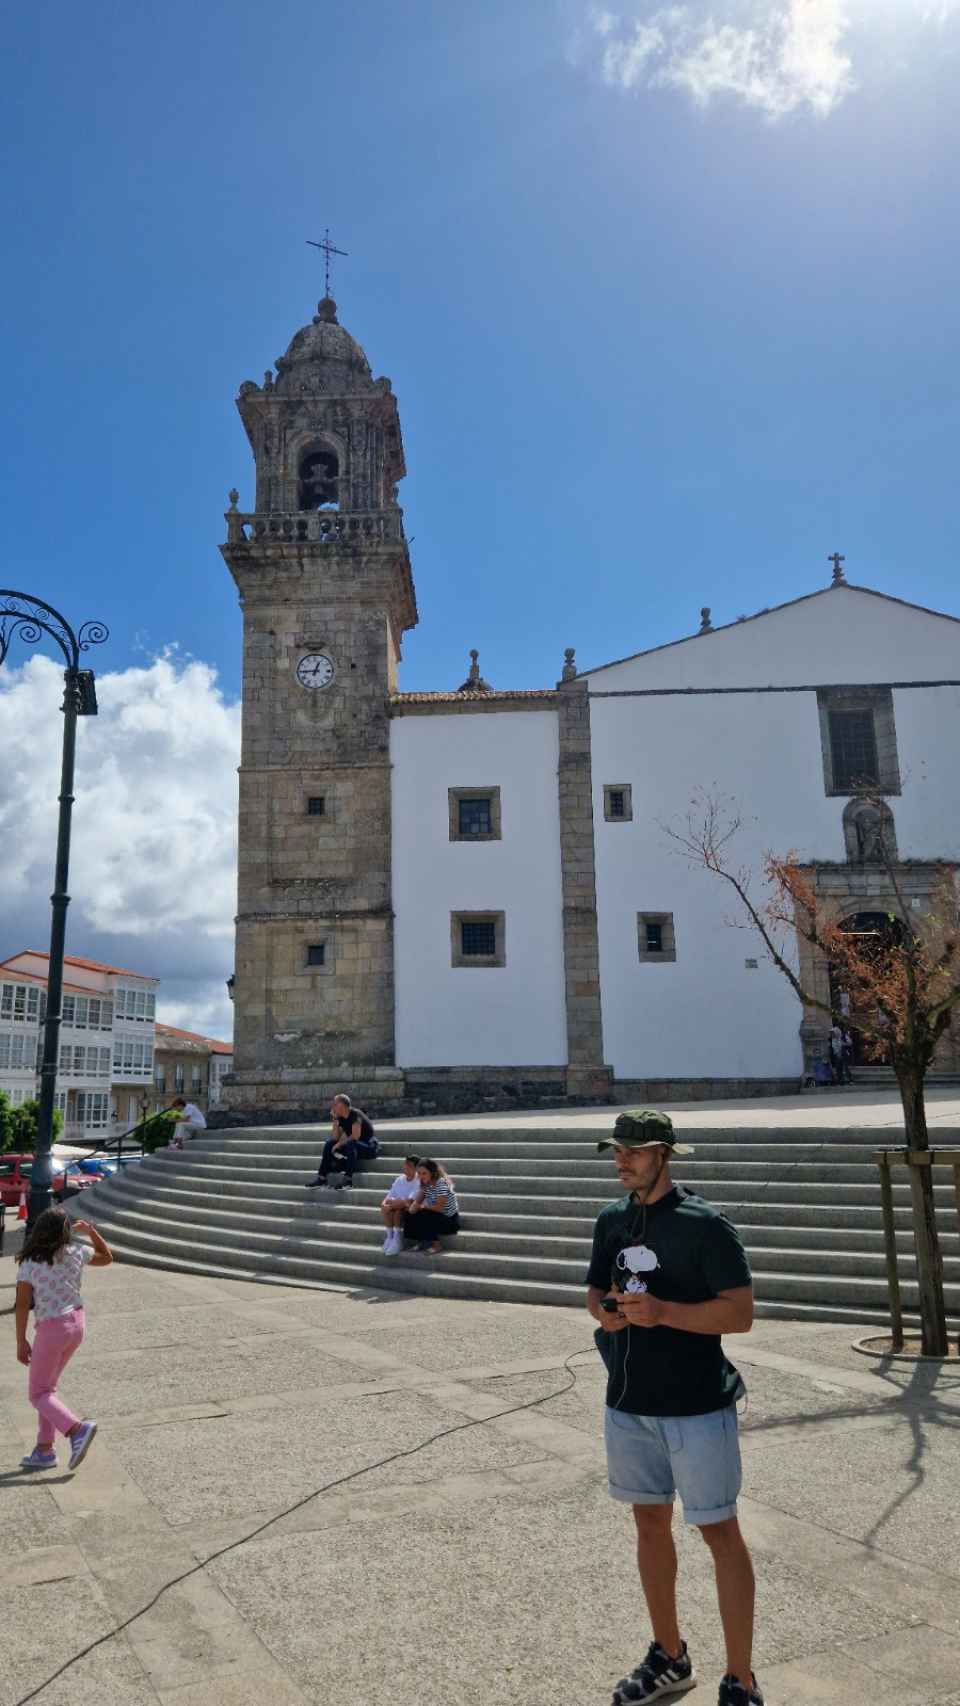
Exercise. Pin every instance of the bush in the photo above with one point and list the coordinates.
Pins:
(24, 1122)
(156, 1131)
(6, 1122)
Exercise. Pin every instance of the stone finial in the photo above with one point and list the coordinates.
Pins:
(569, 667)
(706, 626)
(326, 311)
(233, 496)
(268, 380)
(474, 682)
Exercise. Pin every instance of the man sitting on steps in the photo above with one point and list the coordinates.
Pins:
(351, 1140)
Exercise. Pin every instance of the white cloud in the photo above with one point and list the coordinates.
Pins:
(776, 56)
(153, 859)
(792, 58)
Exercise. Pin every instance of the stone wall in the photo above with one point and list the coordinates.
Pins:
(586, 1073)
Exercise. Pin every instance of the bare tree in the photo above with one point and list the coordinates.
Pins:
(901, 983)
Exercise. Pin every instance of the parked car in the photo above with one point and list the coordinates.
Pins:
(66, 1178)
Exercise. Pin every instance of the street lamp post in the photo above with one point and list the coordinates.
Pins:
(31, 619)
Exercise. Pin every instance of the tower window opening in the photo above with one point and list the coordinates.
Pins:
(319, 482)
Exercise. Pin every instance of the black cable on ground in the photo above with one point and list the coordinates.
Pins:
(329, 1487)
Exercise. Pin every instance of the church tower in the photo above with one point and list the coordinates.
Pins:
(323, 573)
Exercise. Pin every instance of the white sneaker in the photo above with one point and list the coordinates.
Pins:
(388, 1242)
(396, 1242)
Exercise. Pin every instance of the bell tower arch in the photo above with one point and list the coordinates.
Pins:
(323, 572)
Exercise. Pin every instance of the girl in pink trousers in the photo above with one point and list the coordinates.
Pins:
(51, 1268)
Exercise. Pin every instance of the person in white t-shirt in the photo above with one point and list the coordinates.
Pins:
(398, 1201)
(190, 1121)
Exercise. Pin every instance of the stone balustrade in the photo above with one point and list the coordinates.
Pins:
(323, 527)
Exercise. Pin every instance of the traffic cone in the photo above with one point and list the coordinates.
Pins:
(22, 1210)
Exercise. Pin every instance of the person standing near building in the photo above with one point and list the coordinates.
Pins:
(351, 1140)
(669, 1275)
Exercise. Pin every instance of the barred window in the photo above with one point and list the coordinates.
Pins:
(853, 743)
(656, 938)
(478, 938)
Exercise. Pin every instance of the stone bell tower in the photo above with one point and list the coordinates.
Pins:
(323, 573)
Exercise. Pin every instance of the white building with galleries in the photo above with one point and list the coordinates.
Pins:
(105, 1066)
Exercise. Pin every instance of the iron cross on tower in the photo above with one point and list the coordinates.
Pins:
(838, 563)
(327, 249)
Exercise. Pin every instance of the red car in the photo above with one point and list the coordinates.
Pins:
(15, 1178)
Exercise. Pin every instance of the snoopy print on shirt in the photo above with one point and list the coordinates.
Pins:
(636, 1260)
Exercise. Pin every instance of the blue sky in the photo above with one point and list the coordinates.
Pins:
(668, 295)
(649, 353)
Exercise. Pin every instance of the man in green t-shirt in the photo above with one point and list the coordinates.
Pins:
(667, 1277)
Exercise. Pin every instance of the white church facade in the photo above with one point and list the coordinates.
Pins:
(456, 897)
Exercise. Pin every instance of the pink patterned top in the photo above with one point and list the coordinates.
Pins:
(56, 1284)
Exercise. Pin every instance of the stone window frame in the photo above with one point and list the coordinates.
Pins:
(327, 968)
(878, 700)
(319, 791)
(668, 953)
(455, 795)
(462, 961)
(624, 788)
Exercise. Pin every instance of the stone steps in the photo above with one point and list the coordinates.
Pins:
(237, 1202)
(545, 1255)
(842, 1229)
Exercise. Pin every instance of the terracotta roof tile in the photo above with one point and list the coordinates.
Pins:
(175, 1034)
(471, 698)
(88, 965)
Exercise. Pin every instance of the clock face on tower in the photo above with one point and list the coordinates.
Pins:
(315, 670)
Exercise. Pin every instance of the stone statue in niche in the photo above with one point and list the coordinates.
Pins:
(869, 828)
(869, 832)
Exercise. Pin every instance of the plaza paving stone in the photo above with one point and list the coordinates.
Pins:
(497, 1549)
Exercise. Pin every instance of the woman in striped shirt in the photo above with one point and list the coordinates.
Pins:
(435, 1213)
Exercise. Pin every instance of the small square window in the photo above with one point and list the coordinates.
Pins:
(474, 814)
(618, 802)
(475, 818)
(477, 939)
(656, 938)
(316, 805)
(317, 954)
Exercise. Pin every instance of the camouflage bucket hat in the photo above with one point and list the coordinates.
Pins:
(643, 1129)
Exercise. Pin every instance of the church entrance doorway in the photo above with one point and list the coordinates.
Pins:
(877, 933)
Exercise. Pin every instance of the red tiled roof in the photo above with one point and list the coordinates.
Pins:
(33, 977)
(212, 1043)
(88, 965)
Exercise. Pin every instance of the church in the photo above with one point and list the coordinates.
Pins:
(472, 896)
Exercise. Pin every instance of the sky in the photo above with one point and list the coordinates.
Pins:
(668, 295)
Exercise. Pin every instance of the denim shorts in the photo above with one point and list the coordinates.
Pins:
(652, 1458)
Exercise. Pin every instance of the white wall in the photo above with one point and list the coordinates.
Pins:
(512, 1015)
(706, 1015)
(839, 636)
